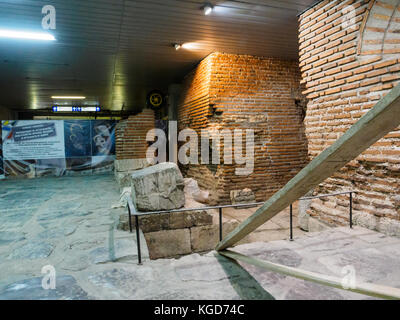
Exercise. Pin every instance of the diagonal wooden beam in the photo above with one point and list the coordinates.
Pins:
(376, 123)
(369, 289)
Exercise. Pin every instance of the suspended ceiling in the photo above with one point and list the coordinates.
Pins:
(114, 52)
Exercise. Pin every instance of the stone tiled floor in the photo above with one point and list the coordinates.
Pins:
(64, 222)
(275, 229)
(68, 223)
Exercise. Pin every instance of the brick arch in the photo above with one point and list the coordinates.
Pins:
(380, 30)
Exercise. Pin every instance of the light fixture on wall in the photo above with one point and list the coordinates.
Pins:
(177, 46)
(208, 8)
(69, 97)
(14, 34)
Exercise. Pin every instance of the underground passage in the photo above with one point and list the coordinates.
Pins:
(187, 150)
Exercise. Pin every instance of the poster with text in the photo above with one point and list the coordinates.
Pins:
(2, 175)
(32, 139)
(39, 148)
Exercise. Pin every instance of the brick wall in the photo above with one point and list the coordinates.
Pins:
(229, 91)
(349, 59)
(130, 135)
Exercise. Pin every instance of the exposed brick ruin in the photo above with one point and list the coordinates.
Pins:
(229, 91)
(130, 135)
(348, 63)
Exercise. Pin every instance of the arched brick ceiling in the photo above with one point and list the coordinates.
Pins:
(381, 29)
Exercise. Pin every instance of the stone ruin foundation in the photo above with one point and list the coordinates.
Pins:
(161, 187)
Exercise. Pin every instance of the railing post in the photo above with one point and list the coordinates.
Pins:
(129, 218)
(220, 224)
(351, 210)
(138, 239)
(291, 222)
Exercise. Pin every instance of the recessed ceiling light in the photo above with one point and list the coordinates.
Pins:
(177, 46)
(26, 35)
(69, 97)
(208, 8)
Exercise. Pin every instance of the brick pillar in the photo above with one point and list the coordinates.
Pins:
(349, 58)
(130, 136)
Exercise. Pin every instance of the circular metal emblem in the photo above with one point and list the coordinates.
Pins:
(156, 99)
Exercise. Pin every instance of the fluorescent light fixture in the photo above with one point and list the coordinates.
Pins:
(177, 46)
(69, 97)
(192, 46)
(26, 35)
(208, 8)
(76, 109)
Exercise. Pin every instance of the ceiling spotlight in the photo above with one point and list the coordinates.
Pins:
(208, 8)
(177, 46)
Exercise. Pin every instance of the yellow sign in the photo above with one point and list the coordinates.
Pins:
(156, 99)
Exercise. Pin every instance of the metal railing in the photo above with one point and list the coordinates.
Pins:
(132, 212)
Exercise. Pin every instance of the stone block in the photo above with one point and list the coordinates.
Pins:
(188, 219)
(389, 227)
(123, 179)
(124, 168)
(193, 191)
(152, 223)
(314, 225)
(242, 196)
(205, 238)
(158, 187)
(130, 165)
(168, 221)
(384, 225)
(303, 216)
(168, 243)
(365, 220)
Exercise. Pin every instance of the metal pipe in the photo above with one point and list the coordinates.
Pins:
(291, 222)
(138, 240)
(243, 205)
(201, 208)
(370, 289)
(326, 195)
(351, 210)
(220, 224)
(130, 218)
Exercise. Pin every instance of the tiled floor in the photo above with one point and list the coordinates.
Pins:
(68, 224)
(275, 229)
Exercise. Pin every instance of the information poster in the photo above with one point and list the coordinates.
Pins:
(35, 148)
(2, 176)
(33, 139)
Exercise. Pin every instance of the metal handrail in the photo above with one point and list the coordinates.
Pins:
(132, 211)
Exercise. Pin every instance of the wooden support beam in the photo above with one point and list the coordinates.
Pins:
(369, 289)
(376, 123)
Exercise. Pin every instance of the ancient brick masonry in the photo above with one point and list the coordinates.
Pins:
(349, 59)
(131, 134)
(232, 92)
